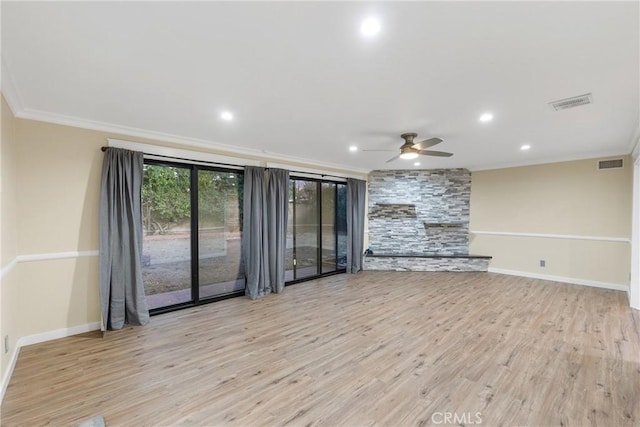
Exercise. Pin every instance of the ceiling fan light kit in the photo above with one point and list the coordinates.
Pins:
(411, 150)
(408, 155)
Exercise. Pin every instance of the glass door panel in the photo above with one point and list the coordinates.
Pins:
(166, 243)
(328, 216)
(220, 270)
(341, 225)
(306, 229)
(290, 247)
(316, 230)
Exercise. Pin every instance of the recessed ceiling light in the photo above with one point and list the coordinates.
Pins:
(416, 164)
(486, 117)
(353, 148)
(226, 116)
(370, 27)
(525, 147)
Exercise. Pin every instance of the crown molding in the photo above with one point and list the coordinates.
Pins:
(188, 142)
(15, 101)
(548, 161)
(10, 90)
(310, 172)
(16, 104)
(634, 145)
(153, 151)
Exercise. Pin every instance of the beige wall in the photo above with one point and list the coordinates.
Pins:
(50, 180)
(567, 198)
(58, 175)
(8, 228)
(59, 181)
(8, 180)
(56, 171)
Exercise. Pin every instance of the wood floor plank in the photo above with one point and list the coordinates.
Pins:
(376, 348)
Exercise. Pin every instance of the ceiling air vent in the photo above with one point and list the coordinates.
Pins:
(610, 164)
(575, 101)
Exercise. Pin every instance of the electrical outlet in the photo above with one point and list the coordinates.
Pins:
(6, 343)
(543, 263)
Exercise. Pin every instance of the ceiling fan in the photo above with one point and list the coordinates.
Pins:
(410, 149)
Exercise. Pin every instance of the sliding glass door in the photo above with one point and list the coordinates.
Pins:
(166, 243)
(306, 228)
(192, 233)
(219, 255)
(192, 218)
(316, 234)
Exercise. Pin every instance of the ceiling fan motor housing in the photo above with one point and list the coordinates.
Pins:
(408, 144)
(408, 138)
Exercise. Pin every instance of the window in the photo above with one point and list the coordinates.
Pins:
(192, 222)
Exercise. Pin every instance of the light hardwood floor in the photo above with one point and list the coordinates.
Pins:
(376, 348)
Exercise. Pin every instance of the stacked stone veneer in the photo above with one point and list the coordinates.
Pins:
(419, 211)
(392, 263)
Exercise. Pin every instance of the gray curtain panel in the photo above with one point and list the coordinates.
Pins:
(356, 190)
(277, 209)
(255, 242)
(122, 296)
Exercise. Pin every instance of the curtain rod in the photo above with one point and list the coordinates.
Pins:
(229, 164)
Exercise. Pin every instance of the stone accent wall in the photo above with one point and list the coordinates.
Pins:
(426, 264)
(419, 211)
(393, 211)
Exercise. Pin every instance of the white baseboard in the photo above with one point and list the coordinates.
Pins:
(58, 333)
(38, 338)
(7, 375)
(562, 279)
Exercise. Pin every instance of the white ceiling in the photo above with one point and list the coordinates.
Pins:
(303, 82)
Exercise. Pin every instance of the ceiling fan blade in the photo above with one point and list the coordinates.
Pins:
(426, 143)
(393, 158)
(435, 153)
